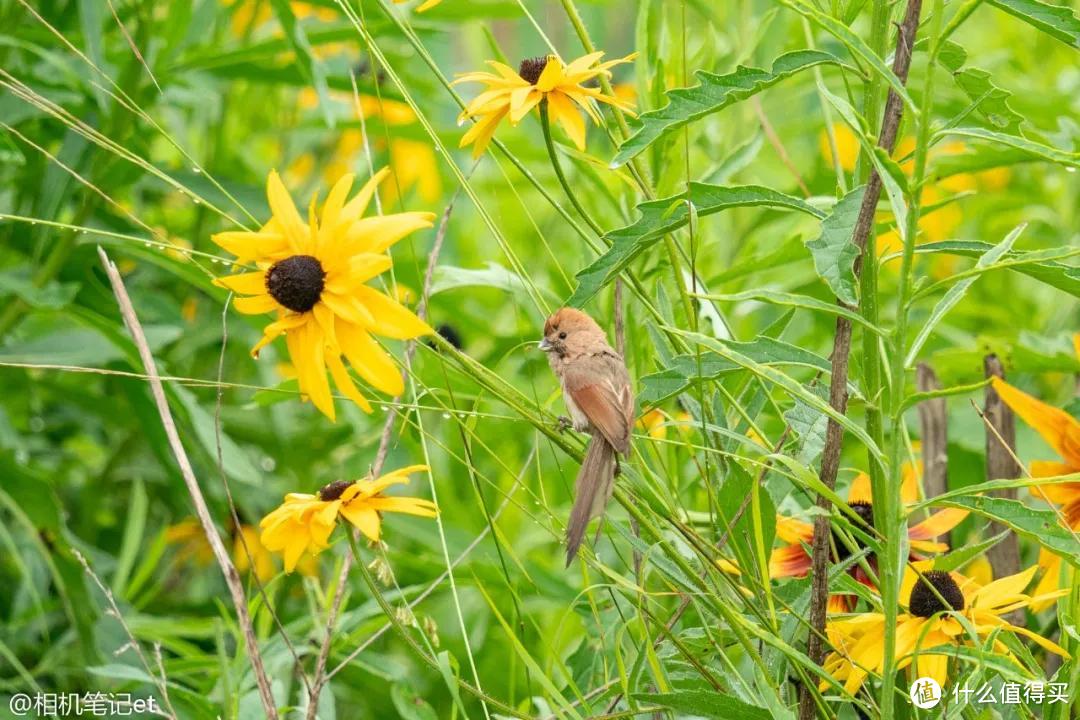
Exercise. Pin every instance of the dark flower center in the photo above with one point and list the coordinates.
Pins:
(296, 282)
(865, 511)
(531, 68)
(929, 591)
(333, 491)
(450, 334)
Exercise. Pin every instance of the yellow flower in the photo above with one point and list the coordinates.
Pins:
(930, 628)
(192, 545)
(304, 522)
(1061, 431)
(654, 423)
(424, 7)
(538, 79)
(312, 277)
(246, 536)
(794, 560)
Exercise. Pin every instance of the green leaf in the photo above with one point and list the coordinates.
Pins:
(989, 100)
(714, 93)
(684, 370)
(833, 251)
(1042, 526)
(50, 297)
(309, 65)
(1055, 20)
(705, 703)
(235, 461)
(853, 43)
(664, 215)
(1063, 277)
(409, 705)
(957, 291)
(1028, 147)
(493, 275)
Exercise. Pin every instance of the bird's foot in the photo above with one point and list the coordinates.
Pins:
(564, 423)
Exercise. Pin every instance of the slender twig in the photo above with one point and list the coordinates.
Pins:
(232, 577)
(114, 610)
(838, 398)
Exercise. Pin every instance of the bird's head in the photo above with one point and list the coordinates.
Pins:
(569, 332)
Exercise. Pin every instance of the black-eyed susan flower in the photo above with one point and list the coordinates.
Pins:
(303, 523)
(250, 554)
(793, 560)
(514, 94)
(1061, 431)
(929, 626)
(312, 275)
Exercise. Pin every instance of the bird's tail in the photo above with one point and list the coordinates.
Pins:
(593, 489)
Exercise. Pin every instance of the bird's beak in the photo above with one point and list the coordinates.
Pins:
(545, 345)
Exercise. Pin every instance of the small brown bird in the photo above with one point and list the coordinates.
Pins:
(596, 389)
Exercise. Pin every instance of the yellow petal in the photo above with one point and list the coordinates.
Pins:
(568, 117)
(252, 283)
(335, 203)
(937, 524)
(369, 360)
(364, 518)
(308, 354)
(359, 269)
(283, 209)
(252, 246)
(551, 76)
(255, 305)
(860, 489)
(344, 383)
(348, 308)
(1003, 590)
(392, 319)
(405, 505)
(1052, 424)
(355, 208)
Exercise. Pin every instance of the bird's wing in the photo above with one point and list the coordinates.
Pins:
(600, 387)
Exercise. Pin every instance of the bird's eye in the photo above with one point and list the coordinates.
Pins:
(562, 336)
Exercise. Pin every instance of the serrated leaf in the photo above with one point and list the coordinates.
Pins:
(684, 369)
(664, 215)
(853, 43)
(1016, 142)
(714, 93)
(705, 703)
(834, 252)
(1042, 526)
(1055, 20)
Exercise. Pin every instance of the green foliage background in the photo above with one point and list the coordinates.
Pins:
(147, 154)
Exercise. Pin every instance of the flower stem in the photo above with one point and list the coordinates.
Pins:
(545, 123)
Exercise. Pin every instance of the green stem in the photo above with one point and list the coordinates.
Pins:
(411, 642)
(893, 512)
(545, 123)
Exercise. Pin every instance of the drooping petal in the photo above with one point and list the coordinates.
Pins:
(308, 354)
(563, 112)
(480, 134)
(392, 319)
(369, 360)
(344, 383)
(364, 518)
(1054, 425)
(793, 530)
(937, 524)
(789, 561)
(276, 328)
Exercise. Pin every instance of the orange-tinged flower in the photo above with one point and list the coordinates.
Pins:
(793, 559)
(303, 523)
(313, 277)
(249, 552)
(929, 627)
(514, 94)
(1061, 431)
(654, 424)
